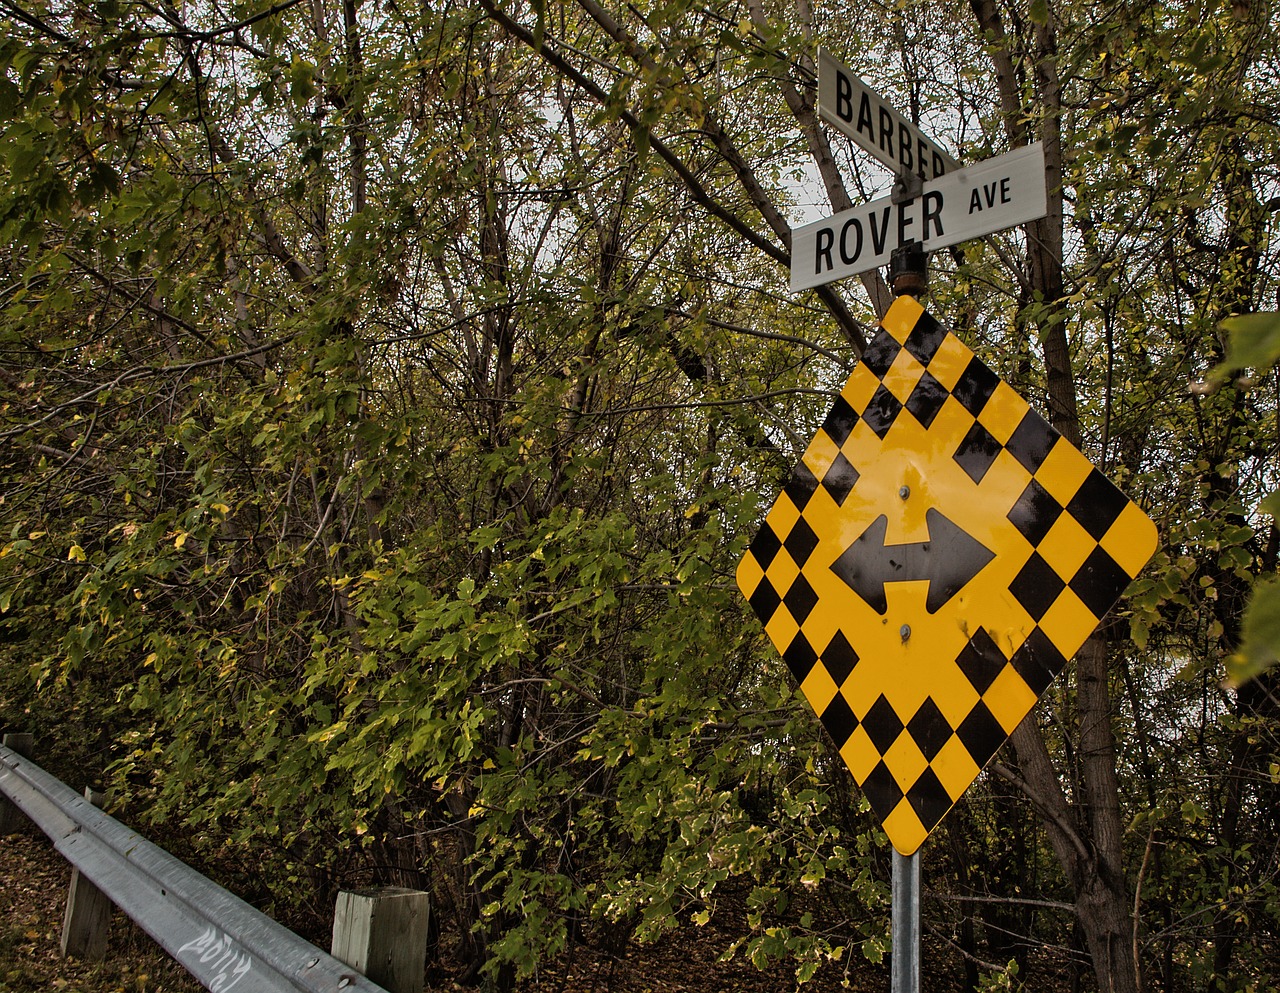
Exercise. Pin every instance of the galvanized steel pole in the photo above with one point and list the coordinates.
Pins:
(905, 964)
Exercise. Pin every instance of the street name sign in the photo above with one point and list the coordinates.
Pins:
(972, 201)
(853, 108)
(938, 555)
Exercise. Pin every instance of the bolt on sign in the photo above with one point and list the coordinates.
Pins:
(938, 555)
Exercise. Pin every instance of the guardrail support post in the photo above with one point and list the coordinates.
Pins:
(11, 818)
(88, 916)
(382, 933)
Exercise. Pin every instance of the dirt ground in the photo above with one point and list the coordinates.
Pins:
(33, 886)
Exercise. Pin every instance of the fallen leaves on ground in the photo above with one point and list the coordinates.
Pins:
(33, 892)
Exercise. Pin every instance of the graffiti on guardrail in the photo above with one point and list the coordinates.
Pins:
(218, 952)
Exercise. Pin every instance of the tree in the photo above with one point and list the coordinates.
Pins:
(427, 517)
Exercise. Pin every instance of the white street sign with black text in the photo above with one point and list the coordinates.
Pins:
(973, 201)
(850, 106)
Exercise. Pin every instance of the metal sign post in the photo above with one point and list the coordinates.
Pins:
(905, 924)
(940, 550)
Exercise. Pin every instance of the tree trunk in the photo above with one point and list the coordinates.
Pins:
(1088, 841)
(1102, 897)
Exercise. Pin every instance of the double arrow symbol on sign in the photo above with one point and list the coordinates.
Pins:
(947, 560)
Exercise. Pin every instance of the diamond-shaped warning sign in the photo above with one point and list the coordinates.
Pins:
(938, 555)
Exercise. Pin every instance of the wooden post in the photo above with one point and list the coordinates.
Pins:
(88, 916)
(382, 934)
(12, 819)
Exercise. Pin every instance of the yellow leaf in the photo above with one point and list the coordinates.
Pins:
(75, 554)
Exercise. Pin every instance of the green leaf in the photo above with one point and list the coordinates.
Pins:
(1260, 640)
(1253, 342)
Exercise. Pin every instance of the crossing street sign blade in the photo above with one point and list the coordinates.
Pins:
(973, 201)
(853, 108)
(938, 555)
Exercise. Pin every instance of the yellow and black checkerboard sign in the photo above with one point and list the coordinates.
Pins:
(938, 555)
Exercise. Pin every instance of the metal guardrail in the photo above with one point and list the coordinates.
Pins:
(221, 940)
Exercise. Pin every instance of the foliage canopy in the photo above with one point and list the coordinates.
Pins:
(387, 392)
